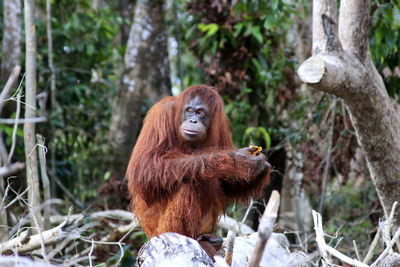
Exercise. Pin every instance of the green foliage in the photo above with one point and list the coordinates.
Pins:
(86, 55)
(385, 42)
(240, 51)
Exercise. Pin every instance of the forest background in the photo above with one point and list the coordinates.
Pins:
(101, 65)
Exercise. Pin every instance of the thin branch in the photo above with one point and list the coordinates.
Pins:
(3, 152)
(371, 249)
(15, 199)
(90, 253)
(230, 244)
(11, 169)
(15, 128)
(325, 249)
(51, 236)
(45, 178)
(388, 224)
(265, 228)
(68, 239)
(41, 238)
(113, 214)
(356, 250)
(247, 211)
(388, 248)
(7, 88)
(23, 121)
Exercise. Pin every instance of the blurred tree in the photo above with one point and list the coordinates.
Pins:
(11, 53)
(145, 79)
(11, 44)
(126, 9)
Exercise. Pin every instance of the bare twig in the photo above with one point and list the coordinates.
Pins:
(230, 244)
(7, 88)
(41, 237)
(11, 169)
(265, 228)
(113, 214)
(325, 249)
(45, 178)
(3, 152)
(14, 242)
(388, 248)
(15, 199)
(388, 225)
(15, 128)
(51, 236)
(103, 243)
(90, 253)
(126, 229)
(23, 121)
(356, 250)
(28, 217)
(371, 249)
(68, 239)
(247, 212)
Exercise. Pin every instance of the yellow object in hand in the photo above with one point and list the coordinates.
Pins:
(256, 151)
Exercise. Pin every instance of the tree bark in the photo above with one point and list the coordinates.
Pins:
(341, 65)
(145, 77)
(32, 174)
(126, 9)
(11, 44)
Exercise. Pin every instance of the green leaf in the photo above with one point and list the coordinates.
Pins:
(248, 131)
(238, 29)
(255, 31)
(202, 27)
(378, 36)
(396, 16)
(266, 136)
(211, 28)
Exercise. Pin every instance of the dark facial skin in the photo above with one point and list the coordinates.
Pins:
(195, 120)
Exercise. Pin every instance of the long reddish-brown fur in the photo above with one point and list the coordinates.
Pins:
(180, 187)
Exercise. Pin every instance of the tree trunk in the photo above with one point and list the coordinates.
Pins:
(295, 210)
(145, 77)
(341, 65)
(126, 9)
(32, 174)
(11, 45)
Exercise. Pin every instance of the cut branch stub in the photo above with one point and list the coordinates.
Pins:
(312, 70)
